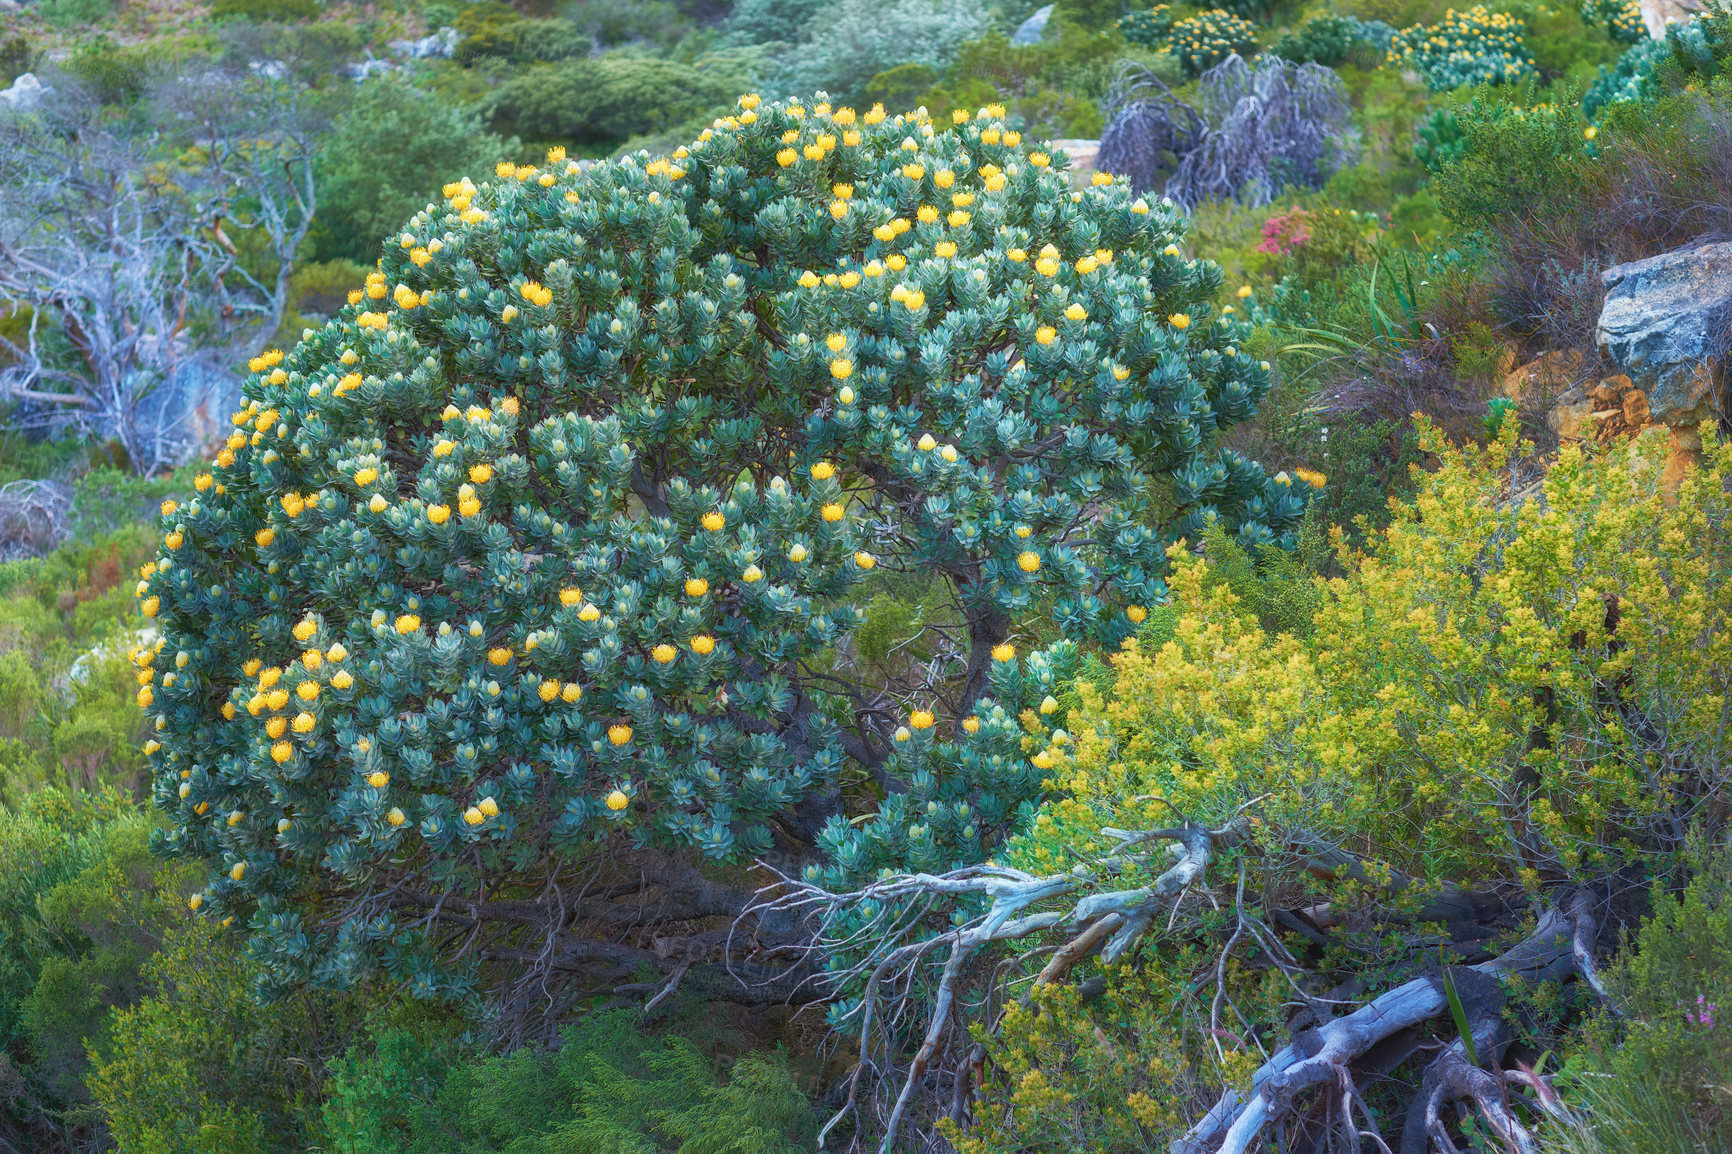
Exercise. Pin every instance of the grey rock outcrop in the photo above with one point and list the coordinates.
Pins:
(1031, 30)
(25, 93)
(1667, 322)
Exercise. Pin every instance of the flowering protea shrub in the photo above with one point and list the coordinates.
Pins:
(552, 540)
(1465, 49)
(1622, 19)
(1148, 28)
(1206, 39)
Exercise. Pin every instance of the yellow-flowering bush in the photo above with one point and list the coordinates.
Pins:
(1517, 684)
(581, 415)
(1523, 686)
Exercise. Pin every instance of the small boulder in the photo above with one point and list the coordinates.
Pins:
(1636, 413)
(1611, 390)
(1547, 376)
(1667, 322)
(1569, 416)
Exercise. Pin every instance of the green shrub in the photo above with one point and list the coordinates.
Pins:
(67, 14)
(1654, 1081)
(1150, 28)
(519, 41)
(1622, 19)
(198, 1066)
(1465, 49)
(274, 11)
(851, 41)
(1204, 40)
(431, 623)
(1322, 39)
(388, 153)
(610, 1086)
(606, 99)
(771, 21)
(1631, 80)
(1512, 162)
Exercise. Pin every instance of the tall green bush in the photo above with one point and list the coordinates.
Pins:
(547, 540)
(387, 155)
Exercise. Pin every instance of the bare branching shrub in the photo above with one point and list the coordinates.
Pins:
(33, 517)
(1276, 125)
(1149, 131)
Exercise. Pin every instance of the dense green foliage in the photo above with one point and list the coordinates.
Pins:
(855, 673)
(608, 1087)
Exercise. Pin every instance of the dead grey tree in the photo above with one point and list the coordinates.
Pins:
(1274, 125)
(895, 955)
(116, 251)
(1149, 130)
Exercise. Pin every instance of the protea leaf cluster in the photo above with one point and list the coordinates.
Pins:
(553, 538)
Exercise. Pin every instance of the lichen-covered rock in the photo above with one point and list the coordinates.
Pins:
(1667, 321)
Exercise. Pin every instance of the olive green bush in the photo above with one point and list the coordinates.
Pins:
(609, 1086)
(607, 99)
(387, 155)
(548, 540)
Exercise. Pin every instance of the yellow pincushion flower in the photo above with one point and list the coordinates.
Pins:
(664, 653)
(1047, 266)
(1028, 562)
(823, 471)
(865, 560)
(913, 171)
(1136, 613)
(570, 597)
(499, 655)
(926, 214)
(619, 734)
(1039, 159)
(408, 623)
(1045, 335)
(714, 521)
(703, 644)
(921, 719)
(1004, 651)
(473, 816)
(378, 779)
(945, 249)
(149, 606)
(1077, 312)
(307, 690)
(841, 369)
(697, 587)
(617, 800)
(548, 690)
(439, 514)
(1180, 320)
(1044, 759)
(831, 512)
(343, 680)
(488, 807)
